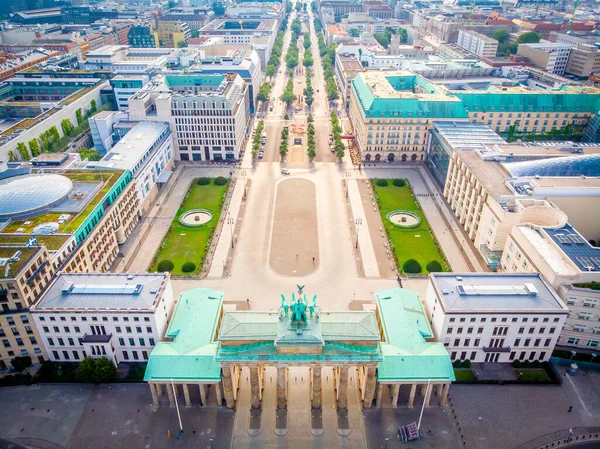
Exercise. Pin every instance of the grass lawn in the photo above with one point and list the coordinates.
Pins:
(186, 244)
(464, 374)
(408, 243)
(537, 375)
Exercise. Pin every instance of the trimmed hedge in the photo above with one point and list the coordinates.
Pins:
(382, 182)
(188, 267)
(399, 182)
(203, 181)
(412, 266)
(165, 265)
(434, 267)
(220, 181)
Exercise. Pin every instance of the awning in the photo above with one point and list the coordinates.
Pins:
(164, 176)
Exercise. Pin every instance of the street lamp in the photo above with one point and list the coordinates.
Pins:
(573, 354)
(386, 442)
(177, 406)
(211, 442)
(230, 222)
(358, 223)
(243, 174)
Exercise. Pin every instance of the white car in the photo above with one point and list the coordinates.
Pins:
(285, 171)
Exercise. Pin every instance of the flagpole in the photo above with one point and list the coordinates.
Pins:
(176, 405)
(423, 407)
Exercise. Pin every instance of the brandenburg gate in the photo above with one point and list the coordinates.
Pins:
(206, 347)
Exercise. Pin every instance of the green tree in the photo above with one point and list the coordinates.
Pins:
(528, 38)
(66, 126)
(195, 33)
(21, 363)
(182, 44)
(271, 70)
(90, 154)
(11, 155)
(382, 39)
(286, 116)
(86, 370)
(310, 118)
(34, 147)
(339, 148)
(288, 95)
(22, 149)
(105, 370)
(332, 92)
(54, 133)
(78, 116)
(307, 61)
(500, 35)
(354, 32)
(264, 92)
(93, 106)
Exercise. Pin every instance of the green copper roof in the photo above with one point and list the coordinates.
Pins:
(190, 356)
(407, 355)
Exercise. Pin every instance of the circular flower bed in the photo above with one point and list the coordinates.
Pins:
(195, 218)
(404, 219)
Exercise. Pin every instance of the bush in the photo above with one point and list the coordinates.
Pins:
(516, 364)
(412, 266)
(20, 363)
(17, 379)
(382, 182)
(188, 267)
(165, 265)
(203, 181)
(220, 181)
(457, 364)
(526, 364)
(467, 364)
(537, 364)
(96, 370)
(434, 267)
(399, 182)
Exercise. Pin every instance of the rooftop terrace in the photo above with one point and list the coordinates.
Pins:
(9, 269)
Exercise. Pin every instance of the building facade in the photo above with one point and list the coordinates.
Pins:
(209, 114)
(551, 57)
(498, 317)
(170, 34)
(477, 43)
(117, 316)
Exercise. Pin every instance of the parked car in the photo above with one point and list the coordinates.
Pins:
(260, 155)
(285, 171)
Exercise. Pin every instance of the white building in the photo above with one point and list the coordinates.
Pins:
(552, 57)
(582, 328)
(209, 114)
(102, 129)
(123, 60)
(495, 317)
(477, 43)
(147, 152)
(117, 316)
(125, 86)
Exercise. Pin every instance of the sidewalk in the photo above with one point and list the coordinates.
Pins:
(369, 260)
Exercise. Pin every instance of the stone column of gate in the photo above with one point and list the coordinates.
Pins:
(370, 386)
(342, 401)
(228, 386)
(254, 387)
(316, 387)
(281, 387)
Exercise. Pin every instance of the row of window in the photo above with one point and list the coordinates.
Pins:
(77, 329)
(498, 342)
(491, 357)
(71, 342)
(95, 318)
(19, 342)
(502, 320)
(589, 343)
(75, 355)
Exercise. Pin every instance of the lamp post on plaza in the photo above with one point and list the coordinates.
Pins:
(358, 223)
(230, 222)
(348, 176)
(243, 174)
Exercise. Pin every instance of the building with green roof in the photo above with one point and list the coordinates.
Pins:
(391, 112)
(206, 345)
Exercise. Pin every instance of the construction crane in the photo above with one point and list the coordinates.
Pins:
(471, 8)
(573, 15)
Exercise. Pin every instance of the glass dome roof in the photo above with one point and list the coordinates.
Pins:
(587, 165)
(23, 196)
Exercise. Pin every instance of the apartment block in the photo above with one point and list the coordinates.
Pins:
(552, 57)
(477, 43)
(584, 60)
(582, 327)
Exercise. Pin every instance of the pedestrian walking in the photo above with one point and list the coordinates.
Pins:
(168, 434)
(570, 409)
(296, 256)
(313, 260)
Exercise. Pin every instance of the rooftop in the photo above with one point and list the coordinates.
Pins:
(10, 266)
(495, 292)
(544, 245)
(407, 355)
(103, 292)
(489, 173)
(133, 147)
(190, 355)
(573, 166)
(467, 135)
(583, 255)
